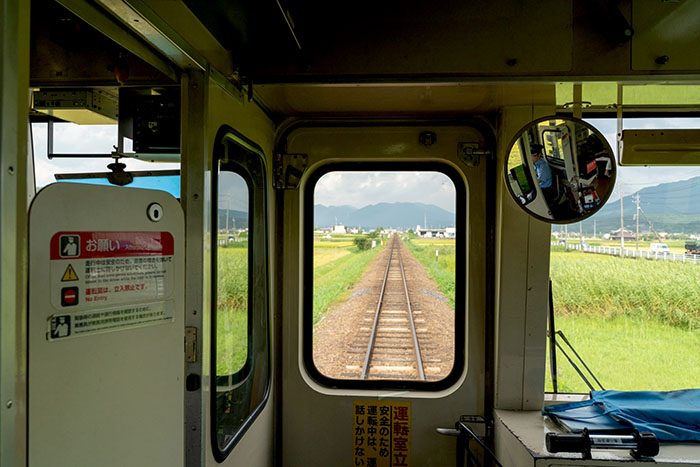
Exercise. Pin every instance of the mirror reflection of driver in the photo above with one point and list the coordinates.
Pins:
(543, 173)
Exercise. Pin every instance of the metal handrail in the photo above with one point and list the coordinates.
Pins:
(464, 434)
(463, 447)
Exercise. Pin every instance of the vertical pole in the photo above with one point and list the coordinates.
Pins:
(14, 105)
(227, 212)
(195, 188)
(637, 216)
(580, 235)
(622, 224)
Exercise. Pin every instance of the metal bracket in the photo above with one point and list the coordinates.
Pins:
(470, 154)
(288, 169)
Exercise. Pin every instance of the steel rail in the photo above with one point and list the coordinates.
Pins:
(395, 247)
(375, 324)
(416, 344)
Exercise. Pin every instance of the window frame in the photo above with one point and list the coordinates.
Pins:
(461, 275)
(253, 170)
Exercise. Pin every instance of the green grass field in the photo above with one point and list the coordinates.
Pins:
(232, 310)
(441, 271)
(336, 270)
(605, 286)
(628, 354)
(635, 322)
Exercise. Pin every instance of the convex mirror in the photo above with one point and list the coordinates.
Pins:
(560, 169)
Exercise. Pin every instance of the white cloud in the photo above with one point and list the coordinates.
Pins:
(360, 189)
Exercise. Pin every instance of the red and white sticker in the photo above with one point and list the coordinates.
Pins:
(91, 270)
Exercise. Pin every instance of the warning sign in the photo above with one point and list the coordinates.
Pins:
(109, 319)
(381, 433)
(69, 275)
(69, 296)
(110, 268)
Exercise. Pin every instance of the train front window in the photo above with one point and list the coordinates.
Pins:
(240, 348)
(625, 281)
(386, 308)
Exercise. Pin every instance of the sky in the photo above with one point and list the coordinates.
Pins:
(357, 189)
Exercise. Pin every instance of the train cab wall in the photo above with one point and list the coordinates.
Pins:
(215, 111)
(522, 272)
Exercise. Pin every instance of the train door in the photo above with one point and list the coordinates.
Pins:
(105, 327)
(349, 396)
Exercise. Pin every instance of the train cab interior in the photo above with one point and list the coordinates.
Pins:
(202, 201)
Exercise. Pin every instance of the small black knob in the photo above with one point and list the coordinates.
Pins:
(193, 382)
(662, 59)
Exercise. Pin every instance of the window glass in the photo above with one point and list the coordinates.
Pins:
(99, 141)
(240, 351)
(384, 276)
(625, 281)
(232, 274)
(553, 144)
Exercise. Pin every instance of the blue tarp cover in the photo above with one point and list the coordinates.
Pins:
(673, 416)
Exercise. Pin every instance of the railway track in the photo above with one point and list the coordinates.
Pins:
(393, 348)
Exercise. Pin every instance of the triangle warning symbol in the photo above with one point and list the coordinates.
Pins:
(69, 275)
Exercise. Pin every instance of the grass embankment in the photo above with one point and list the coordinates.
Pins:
(441, 271)
(337, 268)
(232, 310)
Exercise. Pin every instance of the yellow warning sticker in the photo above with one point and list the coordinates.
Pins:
(69, 275)
(381, 433)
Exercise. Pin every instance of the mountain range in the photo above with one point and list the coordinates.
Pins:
(236, 219)
(402, 216)
(669, 207)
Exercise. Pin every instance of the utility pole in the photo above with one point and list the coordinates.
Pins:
(622, 224)
(636, 215)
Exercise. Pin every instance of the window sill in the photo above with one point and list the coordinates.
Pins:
(520, 441)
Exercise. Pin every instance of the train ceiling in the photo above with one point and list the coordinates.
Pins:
(317, 56)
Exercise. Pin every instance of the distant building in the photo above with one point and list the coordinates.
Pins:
(339, 229)
(626, 234)
(425, 232)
